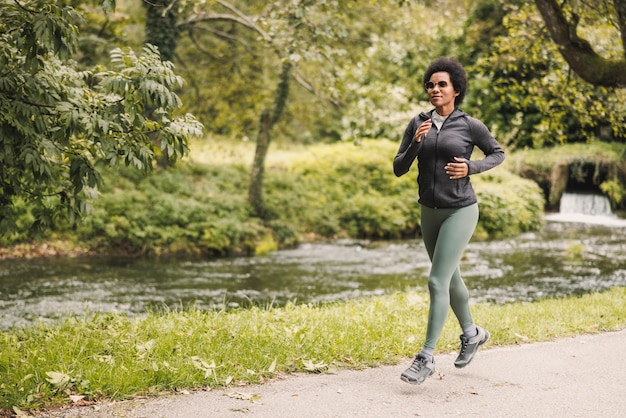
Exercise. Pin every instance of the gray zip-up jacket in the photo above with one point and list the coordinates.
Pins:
(456, 138)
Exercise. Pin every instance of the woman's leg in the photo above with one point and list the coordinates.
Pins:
(446, 232)
(459, 301)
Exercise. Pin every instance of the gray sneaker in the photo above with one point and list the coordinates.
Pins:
(469, 346)
(421, 368)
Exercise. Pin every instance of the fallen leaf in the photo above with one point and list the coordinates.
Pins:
(272, 367)
(19, 413)
(244, 410)
(25, 378)
(310, 366)
(76, 398)
(198, 363)
(145, 348)
(244, 396)
(332, 369)
(58, 379)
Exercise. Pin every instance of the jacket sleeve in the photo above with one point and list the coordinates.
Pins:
(482, 138)
(408, 150)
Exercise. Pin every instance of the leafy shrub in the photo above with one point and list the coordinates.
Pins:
(188, 209)
(509, 204)
(373, 216)
(332, 191)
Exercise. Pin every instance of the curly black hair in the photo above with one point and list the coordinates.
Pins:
(458, 76)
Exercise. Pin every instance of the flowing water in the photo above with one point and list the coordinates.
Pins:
(589, 208)
(564, 258)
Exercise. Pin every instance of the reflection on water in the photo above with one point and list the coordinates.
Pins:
(562, 259)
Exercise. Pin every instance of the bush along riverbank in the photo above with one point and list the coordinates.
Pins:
(86, 359)
(199, 207)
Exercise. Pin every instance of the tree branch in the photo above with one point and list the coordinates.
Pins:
(168, 8)
(206, 17)
(620, 8)
(577, 51)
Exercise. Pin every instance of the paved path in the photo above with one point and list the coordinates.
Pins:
(583, 376)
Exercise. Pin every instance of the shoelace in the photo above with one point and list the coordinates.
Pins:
(417, 364)
(464, 344)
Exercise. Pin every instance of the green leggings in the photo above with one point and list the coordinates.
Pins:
(446, 232)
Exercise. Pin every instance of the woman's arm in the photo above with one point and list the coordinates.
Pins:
(482, 138)
(409, 148)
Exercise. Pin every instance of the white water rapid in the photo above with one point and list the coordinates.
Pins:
(589, 208)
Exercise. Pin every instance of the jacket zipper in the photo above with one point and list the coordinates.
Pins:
(435, 167)
(437, 157)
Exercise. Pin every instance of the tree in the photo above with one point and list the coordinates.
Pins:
(285, 35)
(562, 20)
(529, 93)
(268, 119)
(58, 123)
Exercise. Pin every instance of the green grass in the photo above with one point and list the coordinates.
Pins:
(114, 357)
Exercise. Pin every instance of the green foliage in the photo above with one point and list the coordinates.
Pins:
(120, 26)
(58, 123)
(356, 64)
(615, 190)
(529, 93)
(379, 82)
(185, 210)
(113, 357)
(348, 190)
(236, 52)
(483, 24)
(329, 191)
(363, 62)
(509, 205)
(370, 202)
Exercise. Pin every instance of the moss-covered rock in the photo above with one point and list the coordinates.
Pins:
(597, 167)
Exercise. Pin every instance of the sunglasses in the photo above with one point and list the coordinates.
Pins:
(429, 85)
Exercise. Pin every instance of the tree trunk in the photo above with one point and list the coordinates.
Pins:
(161, 26)
(255, 194)
(161, 31)
(267, 121)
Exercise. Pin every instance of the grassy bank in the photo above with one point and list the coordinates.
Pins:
(113, 357)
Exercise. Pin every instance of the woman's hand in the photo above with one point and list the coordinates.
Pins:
(457, 170)
(423, 130)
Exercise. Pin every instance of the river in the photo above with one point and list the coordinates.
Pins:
(562, 259)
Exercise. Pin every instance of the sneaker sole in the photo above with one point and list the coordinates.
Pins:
(411, 382)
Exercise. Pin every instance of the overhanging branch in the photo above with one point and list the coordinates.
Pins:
(210, 16)
(578, 52)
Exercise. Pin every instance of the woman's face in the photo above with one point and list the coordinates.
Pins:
(440, 91)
